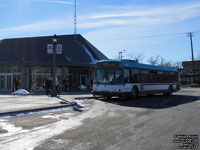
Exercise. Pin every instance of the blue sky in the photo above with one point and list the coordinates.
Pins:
(111, 26)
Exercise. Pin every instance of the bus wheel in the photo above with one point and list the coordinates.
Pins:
(169, 92)
(134, 94)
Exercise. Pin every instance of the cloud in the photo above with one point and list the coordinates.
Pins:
(148, 15)
(48, 25)
(53, 1)
(59, 2)
(134, 10)
(117, 17)
(116, 22)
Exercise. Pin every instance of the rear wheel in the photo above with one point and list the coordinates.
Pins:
(134, 93)
(169, 92)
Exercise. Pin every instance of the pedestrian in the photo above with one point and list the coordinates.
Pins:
(15, 84)
(57, 86)
(91, 84)
(66, 84)
(47, 85)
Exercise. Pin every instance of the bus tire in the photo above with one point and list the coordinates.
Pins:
(170, 91)
(134, 93)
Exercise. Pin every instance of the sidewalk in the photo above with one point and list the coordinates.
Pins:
(11, 105)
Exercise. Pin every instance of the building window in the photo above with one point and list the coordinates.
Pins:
(2, 69)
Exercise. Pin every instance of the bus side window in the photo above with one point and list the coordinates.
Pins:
(160, 76)
(126, 76)
(144, 76)
(153, 76)
(135, 75)
(166, 77)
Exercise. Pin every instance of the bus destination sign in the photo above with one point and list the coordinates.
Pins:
(108, 64)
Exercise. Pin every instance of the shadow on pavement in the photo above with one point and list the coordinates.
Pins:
(153, 102)
(63, 101)
(76, 107)
(84, 98)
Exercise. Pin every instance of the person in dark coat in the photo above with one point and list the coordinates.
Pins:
(15, 85)
(91, 84)
(47, 85)
(66, 84)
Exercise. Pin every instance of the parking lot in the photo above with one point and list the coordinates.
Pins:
(151, 122)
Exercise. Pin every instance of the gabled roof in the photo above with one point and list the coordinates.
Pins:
(33, 51)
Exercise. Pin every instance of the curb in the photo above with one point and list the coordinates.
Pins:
(14, 113)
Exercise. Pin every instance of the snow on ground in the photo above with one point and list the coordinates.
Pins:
(81, 101)
(21, 92)
(36, 136)
(9, 128)
(57, 116)
(39, 111)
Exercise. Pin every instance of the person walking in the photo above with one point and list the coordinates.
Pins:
(47, 85)
(66, 84)
(57, 87)
(15, 84)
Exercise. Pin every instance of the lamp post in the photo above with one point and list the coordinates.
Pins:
(53, 92)
(120, 54)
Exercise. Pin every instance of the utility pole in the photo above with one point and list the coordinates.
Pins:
(193, 63)
(54, 92)
(120, 54)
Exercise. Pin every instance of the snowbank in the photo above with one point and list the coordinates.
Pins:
(21, 92)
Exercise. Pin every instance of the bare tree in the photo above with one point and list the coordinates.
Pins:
(178, 64)
(134, 56)
(158, 60)
(154, 60)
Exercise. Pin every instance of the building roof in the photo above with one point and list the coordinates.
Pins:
(33, 51)
(190, 63)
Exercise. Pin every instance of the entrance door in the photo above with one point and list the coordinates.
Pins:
(83, 82)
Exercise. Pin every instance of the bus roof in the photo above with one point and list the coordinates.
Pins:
(135, 64)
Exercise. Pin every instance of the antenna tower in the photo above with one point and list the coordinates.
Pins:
(75, 18)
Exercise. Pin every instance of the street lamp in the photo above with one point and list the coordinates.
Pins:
(53, 92)
(120, 54)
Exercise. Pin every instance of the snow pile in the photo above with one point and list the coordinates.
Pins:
(10, 128)
(21, 92)
(80, 102)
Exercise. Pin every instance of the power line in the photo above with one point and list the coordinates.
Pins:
(149, 36)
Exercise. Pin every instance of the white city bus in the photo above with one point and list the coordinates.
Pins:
(130, 78)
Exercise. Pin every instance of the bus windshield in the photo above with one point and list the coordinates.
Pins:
(109, 75)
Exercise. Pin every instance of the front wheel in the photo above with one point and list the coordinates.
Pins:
(134, 94)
